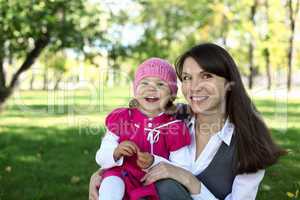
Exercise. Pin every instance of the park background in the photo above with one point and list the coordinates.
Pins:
(65, 64)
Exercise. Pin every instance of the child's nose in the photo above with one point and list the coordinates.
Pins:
(152, 87)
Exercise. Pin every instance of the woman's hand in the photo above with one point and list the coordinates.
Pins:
(94, 185)
(125, 148)
(144, 159)
(165, 170)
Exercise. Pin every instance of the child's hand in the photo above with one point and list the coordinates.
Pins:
(125, 148)
(144, 159)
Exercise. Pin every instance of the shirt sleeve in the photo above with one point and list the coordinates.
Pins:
(245, 186)
(104, 156)
(178, 136)
(177, 158)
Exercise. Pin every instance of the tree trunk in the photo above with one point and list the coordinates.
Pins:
(224, 30)
(251, 65)
(266, 51)
(251, 48)
(292, 17)
(45, 79)
(4, 92)
(40, 44)
(268, 67)
(32, 80)
(57, 82)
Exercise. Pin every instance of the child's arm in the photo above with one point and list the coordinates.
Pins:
(105, 155)
(111, 152)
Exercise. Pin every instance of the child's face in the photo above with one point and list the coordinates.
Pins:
(153, 94)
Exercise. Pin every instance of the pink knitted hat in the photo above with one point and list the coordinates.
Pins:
(157, 67)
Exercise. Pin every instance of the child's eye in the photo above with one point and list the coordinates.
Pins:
(160, 84)
(144, 83)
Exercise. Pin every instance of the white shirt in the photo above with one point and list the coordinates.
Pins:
(244, 186)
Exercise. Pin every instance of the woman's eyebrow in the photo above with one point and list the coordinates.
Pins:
(185, 73)
(201, 72)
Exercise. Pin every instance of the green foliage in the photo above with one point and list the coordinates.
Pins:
(56, 61)
(69, 24)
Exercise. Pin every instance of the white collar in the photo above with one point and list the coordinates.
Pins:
(225, 134)
(150, 118)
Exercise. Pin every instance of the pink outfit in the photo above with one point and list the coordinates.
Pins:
(165, 133)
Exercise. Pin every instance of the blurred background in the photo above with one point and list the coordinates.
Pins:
(65, 64)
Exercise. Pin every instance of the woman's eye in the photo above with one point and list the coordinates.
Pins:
(144, 83)
(206, 76)
(185, 78)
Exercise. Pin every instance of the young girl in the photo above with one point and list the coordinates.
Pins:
(138, 133)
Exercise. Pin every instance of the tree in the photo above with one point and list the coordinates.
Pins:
(169, 26)
(56, 63)
(253, 9)
(293, 11)
(27, 27)
(266, 51)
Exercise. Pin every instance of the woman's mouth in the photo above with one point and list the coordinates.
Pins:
(198, 99)
(151, 99)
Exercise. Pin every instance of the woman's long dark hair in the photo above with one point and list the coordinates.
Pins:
(255, 147)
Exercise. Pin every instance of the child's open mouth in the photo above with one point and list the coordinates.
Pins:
(151, 99)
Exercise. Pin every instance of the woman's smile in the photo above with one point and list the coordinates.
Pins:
(198, 99)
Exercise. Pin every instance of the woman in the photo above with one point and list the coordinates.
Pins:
(231, 146)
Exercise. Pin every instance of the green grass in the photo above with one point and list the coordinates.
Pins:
(48, 142)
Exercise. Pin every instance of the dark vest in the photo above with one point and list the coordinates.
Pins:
(219, 175)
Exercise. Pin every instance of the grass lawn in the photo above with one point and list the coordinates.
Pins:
(48, 142)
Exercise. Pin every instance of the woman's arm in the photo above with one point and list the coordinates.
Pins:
(244, 187)
(94, 185)
(166, 170)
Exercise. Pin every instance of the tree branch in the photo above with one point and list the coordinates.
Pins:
(40, 44)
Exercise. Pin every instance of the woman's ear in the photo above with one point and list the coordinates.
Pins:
(228, 85)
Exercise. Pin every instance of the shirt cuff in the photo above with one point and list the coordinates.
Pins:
(204, 194)
(157, 159)
(119, 162)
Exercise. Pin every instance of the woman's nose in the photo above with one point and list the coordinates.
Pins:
(195, 84)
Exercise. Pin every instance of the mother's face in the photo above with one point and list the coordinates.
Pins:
(205, 92)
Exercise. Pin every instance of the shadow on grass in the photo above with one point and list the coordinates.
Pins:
(44, 160)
